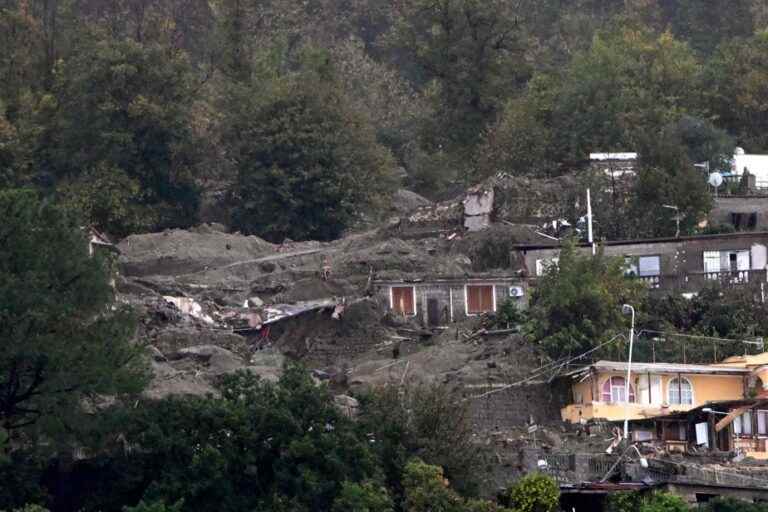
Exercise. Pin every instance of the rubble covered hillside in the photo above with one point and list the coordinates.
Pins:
(213, 302)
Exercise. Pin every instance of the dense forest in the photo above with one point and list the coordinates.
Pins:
(142, 115)
(298, 120)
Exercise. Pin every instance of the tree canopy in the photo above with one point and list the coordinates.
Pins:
(64, 340)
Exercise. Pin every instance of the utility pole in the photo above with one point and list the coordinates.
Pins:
(590, 238)
(628, 310)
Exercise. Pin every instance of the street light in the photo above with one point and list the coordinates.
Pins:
(628, 310)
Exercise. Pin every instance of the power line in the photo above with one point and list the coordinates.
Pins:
(547, 368)
(758, 342)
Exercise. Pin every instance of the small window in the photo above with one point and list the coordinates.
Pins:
(480, 299)
(711, 261)
(404, 300)
(614, 391)
(680, 392)
(762, 422)
(746, 422)
(742, 425)
(649, 266)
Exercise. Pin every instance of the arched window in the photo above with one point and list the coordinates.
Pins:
(614, 390)
(680, 392)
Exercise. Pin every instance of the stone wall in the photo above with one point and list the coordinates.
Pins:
(516, 406)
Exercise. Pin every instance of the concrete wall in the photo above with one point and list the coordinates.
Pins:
(725, 206)
(451, 297)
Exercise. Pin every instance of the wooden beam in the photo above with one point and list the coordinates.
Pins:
(731, 416)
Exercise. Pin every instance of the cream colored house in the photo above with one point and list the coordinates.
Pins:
(600, 390)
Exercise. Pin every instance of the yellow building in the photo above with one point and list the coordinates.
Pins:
(600, 391)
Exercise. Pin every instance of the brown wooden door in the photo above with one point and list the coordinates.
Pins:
(479, 299)
(402, 300)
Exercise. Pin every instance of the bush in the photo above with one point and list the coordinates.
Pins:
(535, 492)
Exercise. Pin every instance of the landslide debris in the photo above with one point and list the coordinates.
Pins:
(213, 302)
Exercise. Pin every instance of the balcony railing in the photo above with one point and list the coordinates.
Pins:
(695, 281)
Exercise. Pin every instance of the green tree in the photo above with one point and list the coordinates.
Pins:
(471, 54)
(130, 106)
(155, 506)
(425, 421)
(722, 504)
(257, 446)
(646, 502)
(364, 497)
(714, 311)
(577, 303)
(663, 502)
(535, 492)
(667, 176)
(308, 166)
(737, 90)
(624, 88)
(64, 340)
(427, 490)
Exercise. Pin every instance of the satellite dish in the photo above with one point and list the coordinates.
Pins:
(715, 179)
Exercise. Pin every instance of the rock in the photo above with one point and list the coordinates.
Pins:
(169, 381)
(347, 405)
(216, 360)
(405, 201)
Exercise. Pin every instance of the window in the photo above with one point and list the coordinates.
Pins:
(680, 392)
(726, 261)
(403, 300)
(649, 266)
(762, 423)
(614, 391)
(742, 425)
(711, 261)
(480, 299)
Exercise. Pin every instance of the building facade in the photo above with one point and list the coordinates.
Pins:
(684, 264)
(442, 301)
(599, 391)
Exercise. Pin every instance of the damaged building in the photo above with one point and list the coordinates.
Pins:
(439, 301)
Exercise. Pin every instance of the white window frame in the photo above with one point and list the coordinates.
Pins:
(764, 414)
(710, 255)
(466, 297)
(616, 398)
(741, 425)
(657, 257)
(392, 297)
(670, 388)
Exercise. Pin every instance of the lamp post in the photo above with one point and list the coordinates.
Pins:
(628, 310)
